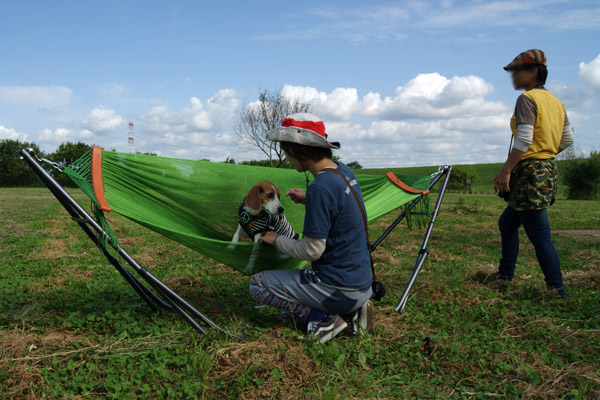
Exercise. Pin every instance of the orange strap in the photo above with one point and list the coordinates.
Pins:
(394, 179)
(97, 182)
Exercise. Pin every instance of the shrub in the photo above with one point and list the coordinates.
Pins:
(582, 176)
(460, 175)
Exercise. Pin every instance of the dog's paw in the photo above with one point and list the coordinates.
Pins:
(231, 247)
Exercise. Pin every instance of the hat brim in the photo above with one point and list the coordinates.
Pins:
(511, 67)
(302, 136)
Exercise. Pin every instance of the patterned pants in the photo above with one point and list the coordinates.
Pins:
(298, 292)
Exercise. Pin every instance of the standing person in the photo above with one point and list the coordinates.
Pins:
(529, 178)
(337, 287)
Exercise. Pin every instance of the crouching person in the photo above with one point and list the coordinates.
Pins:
(336, 290)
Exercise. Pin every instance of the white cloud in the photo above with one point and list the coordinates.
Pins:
(346, 131)
(49, 139)
(101, 120)
(200, 130)
(12, 134)
(590, 72)
(434, 96)
(45, 97)
(340, 104)
(576, 95)
(217, 113)
(430, 119)
(426, 96)
(55, 136)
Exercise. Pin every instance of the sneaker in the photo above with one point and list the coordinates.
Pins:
(326, 330)
(362, 321)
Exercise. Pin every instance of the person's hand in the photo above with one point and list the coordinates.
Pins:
(268, 237)
(297, 195)
(502, 181)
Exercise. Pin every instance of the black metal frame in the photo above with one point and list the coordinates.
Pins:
(445, 172)
(171, 300)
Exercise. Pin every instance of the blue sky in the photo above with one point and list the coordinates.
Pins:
(398, 83)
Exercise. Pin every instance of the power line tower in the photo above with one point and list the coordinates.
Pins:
(130, 141)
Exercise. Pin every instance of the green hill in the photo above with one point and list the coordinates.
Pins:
(485, 172)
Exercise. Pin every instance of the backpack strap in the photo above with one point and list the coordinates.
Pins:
(362, 213)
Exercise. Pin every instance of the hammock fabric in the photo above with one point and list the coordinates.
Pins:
(196, 202)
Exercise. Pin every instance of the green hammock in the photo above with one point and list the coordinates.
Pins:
(196, 202)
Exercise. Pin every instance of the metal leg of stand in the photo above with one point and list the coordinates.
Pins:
(423, 251)
(402, 215)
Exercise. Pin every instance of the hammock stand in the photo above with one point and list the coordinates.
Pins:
(172, 301)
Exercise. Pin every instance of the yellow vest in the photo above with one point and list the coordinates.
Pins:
(549, 124)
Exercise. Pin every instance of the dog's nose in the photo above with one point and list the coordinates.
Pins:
(280, 210)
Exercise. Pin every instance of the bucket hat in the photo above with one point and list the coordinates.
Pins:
(302, 128)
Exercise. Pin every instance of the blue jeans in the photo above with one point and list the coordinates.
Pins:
(537, 228)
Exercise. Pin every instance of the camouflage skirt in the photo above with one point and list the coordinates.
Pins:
(533, 184)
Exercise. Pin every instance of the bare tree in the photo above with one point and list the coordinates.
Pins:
(256, 119)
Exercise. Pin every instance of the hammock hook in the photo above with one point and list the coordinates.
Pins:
(440, 170)
(55, 165)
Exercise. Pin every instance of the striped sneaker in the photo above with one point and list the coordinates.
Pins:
(326, 330)
(362, 321)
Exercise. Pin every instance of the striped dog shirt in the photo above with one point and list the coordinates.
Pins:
(263, 222)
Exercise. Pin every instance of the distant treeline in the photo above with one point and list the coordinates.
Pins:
(16, 172)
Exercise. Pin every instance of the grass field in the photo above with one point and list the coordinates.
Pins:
(70, 327)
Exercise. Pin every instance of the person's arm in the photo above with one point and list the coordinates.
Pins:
(524, 137)
(297, 195)
(309, 249)
(502, 180)
(567, 137)
(525, 114)
(317, 222)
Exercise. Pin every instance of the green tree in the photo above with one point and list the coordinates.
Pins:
(354, 165)
(67, 153)
(266, 163)
(463, 176)
(582, 176)
(13, 170)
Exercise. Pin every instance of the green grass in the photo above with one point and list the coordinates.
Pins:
(70, 327)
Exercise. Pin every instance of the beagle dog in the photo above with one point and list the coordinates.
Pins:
(262, 211)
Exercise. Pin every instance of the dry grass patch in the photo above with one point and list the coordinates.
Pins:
(22, 352)
(279, 364)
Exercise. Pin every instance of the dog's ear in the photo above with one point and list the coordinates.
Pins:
(278, 192)
(253, 199)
